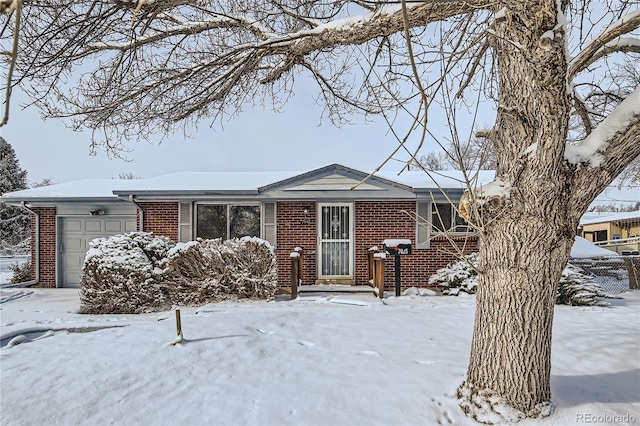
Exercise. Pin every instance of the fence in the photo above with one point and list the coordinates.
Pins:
(613, 275)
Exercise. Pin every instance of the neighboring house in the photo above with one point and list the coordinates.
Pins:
(332, 212)
(619, 232)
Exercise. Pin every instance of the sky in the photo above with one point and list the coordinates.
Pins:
(317, 360)
(258, 139)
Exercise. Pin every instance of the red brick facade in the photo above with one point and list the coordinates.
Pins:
(161, 218)
(296, 229)
(47, 246)
(375, 221)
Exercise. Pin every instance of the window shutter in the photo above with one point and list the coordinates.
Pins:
(269, 223)
(422, 224)
(185, 223)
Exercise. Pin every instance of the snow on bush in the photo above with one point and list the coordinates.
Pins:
(139, 272)
(575, 288)
(123, 273)
(457, 277)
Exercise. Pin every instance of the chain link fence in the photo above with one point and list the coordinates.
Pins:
(613, 275)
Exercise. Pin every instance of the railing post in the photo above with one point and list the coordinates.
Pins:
(378, 280)
(370, 265)
(295, 271)
(300, 252)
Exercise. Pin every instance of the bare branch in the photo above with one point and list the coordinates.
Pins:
(604, 43)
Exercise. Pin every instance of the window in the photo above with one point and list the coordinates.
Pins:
(227, 221)
(445, 218)
(435, 218)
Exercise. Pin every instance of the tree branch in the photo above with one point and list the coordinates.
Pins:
(604, 43)
(606, 152)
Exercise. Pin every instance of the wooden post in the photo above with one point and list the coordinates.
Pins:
(295, 271)
(378, 280)
(300, 251)
(370, 266)
(633, 266)
(178, 323)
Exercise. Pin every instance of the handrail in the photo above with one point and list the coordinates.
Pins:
(618, 241)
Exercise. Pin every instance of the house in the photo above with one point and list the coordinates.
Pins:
(335, 213)
(619, 232)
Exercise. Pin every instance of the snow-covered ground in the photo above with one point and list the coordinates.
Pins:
(319, 360)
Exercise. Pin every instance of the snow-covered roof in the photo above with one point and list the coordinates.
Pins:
(583, 248)
(228, 182)
(80, 189)
(447, 179)
(205, 181)
(611, 217)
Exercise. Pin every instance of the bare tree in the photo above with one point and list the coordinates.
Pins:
(564, 128)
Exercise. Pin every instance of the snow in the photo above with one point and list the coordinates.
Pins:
(396, 242)
(497, 188)
(591, 148)
(308, 361)
(610, 217)
(583, 248)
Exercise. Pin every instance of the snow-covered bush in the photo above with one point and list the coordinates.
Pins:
(138, 272)
(209, 270)
(122, 274)
(575, 288)
(21, 272)
(458, 276)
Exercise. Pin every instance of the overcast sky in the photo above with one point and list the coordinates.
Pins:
(258, 139)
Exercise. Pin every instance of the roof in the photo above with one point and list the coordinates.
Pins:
(328, 179)
(615, 217)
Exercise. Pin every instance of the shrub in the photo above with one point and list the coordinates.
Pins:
(122, 273)
(575, 288)
(21, 272)
(139, 272)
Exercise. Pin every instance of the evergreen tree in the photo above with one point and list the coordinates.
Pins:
(14, 221)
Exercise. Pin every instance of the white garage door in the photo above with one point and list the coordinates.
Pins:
(75, 235)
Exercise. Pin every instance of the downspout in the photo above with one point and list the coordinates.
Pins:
(140, 210)
(37, 247)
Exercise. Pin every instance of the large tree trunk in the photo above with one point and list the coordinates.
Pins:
(510, 365)
(526, 236)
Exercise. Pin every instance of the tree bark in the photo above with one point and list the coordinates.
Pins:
(527, 236)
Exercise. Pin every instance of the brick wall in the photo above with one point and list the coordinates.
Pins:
(161, 218)
(374, 222)
(295, 229)
(47, 246)
(379, 220)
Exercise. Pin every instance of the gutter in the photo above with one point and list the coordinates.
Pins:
(140, 210)
(37, 246)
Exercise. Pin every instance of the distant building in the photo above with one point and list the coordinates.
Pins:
(619, 232)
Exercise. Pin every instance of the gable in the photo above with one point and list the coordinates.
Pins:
(337, 182)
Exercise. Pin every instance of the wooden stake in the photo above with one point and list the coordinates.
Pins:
(178, 323)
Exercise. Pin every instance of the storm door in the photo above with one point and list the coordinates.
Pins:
(335, 240)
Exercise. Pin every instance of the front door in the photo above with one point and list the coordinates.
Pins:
(335, 241)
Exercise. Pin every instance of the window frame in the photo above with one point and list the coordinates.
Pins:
(228, 205)
(427, 223)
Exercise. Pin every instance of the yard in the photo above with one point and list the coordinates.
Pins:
(318, 360)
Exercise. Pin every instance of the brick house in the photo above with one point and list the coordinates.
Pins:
(334, 213)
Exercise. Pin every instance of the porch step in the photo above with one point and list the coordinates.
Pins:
(335, 288)
(336, 281)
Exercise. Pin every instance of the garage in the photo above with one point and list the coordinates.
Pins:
(75, 235)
